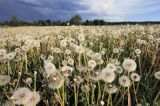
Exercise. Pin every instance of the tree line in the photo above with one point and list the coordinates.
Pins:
(75, 20)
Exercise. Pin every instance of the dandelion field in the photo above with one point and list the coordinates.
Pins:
(80, 66)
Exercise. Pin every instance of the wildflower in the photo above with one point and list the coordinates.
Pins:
(70, 61)
(43, 57)
(111, 67)
(21, 96)
(8, 103)
(89, 53)
(91, 43)
(119, 69)
(102, 103)
(97, 56)
(124, 81)
(81, 37)
(56, 50)
(96, 76)
(17, 50)
(80, 49)
(3, 52)
(137, 51)
(92, 64)
(115, 50)
(82, 69)
(85, 88)
(111, 89)
(100, 61)
(36, 43)
(4, 79)
(67, 51)
(49, 68)
(157, 75)
(55, 81)
(135, 77)
(50, 58)
(66, 71)
(63, 43)
(10, 56)
(129, 65)
(108, 75)
(25, 48)
(28, 81)
(33, 100)
(115, 61)
(64, 62)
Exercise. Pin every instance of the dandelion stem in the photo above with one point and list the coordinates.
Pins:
(104, 90)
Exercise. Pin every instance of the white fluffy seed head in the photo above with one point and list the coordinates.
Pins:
(66, 71)
(124, 81)
(137, 51)
(129, 65)
(55, 81)
(92, 64)
(108, 75)
(102, 103)
(3, 52)
(119, 69)
(135, 77)
(21, 96)
(157, 75)
(111, 67)
(49, 68)
(115, 50)
(111, 89)
(33, 100)
(63, 43)
(4, 79)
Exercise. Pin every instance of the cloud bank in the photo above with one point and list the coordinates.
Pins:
(109, 10)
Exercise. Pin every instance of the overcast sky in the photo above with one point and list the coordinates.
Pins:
(109, 10)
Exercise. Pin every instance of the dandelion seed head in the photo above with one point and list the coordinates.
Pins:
(3, 52)
(4, 79)
(124, 81)
(157, 75)
(129, 65)
(49, 68)
(137, 51)
(21, 96)
(111, 89)
(55, 81)
(135, 77)
(34, 99)
(102, 103)
(92, 64)
(119, 69)
(111, 67)
(108, 75)
(66, 71)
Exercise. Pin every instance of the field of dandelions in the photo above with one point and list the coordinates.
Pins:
(80, 66)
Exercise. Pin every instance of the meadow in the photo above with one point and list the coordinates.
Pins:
(80, 66)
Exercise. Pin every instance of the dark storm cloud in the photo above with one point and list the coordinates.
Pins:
(29, 4)
(9, 8)
(39, 9)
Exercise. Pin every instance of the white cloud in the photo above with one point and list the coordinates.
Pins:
(112, 10)
(117, 9)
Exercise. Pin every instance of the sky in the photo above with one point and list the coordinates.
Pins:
(108, 10)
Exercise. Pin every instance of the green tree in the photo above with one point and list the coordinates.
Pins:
(96, 22)
(76, 20)
(14, 21)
